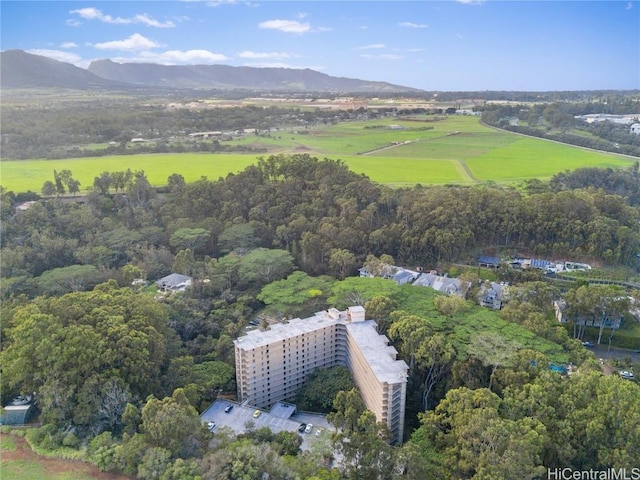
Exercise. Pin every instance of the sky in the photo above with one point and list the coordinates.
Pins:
(452, 45)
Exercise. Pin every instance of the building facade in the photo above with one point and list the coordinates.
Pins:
(272, 365)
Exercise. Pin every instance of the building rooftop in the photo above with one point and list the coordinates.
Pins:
(380, 356)
(281, 331)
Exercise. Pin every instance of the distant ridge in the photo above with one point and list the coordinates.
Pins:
(228, 77)
(19, 69)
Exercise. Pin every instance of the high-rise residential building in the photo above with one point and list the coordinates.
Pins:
(272, 364)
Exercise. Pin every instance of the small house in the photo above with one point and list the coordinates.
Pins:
(174, 283)
(492, 295)
(18, 411)
(487, 261)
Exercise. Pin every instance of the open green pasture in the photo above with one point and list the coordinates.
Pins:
(457, 149)
(23, 175)
(529, 157)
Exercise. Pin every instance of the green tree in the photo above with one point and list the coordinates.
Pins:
(379, 308)
(155, 462)
(264, 265)
(493, 350)
(357, 291)
(176, 183)
(171, 424)
(318, 392)
(478, 443)
(48, 189)
(73, 185)
(241, 237)
(189, 238)
(86, 354)
(73, 278)
(102, 183)
(362, 442)
(341, 262)
(298, 295)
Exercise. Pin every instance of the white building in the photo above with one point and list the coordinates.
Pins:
(272, 365)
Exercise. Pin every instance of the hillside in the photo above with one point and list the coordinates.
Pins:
(25, 70)
(228, 77)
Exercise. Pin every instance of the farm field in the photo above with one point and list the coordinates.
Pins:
(455, 149)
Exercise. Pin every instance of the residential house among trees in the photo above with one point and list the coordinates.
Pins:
(492, 295)
(443, 284)
(608, 321)
(175, 282)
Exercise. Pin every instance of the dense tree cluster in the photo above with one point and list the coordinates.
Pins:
(69, 129)
(623, 182)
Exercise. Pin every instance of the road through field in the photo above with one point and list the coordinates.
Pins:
(466, 171)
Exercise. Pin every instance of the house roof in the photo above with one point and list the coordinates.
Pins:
(537, 263)
(446, 285)
(404, 276)
(489, 260)
(173, 280)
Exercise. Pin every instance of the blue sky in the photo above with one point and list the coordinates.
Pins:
(432, 45)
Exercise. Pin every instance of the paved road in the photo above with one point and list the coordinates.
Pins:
(603, 351)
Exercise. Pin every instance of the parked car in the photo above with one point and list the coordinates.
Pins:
(211, 426)
(256, 414)
(228, 409)
(626, 375)
(588, 344)
(302, 427)
(309, 428)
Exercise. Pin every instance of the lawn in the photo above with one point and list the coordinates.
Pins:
(457, 150)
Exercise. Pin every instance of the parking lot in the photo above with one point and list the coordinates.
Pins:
(239, 415)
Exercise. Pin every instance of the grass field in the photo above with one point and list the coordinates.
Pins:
(457, 150)
(18, 462)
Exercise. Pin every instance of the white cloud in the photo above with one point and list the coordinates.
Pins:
(72, 22)
(281, 65)
(218, 3)
(174, 57)
(91, 13)
(134, 42)
(412, 25)
(373, 45)
(288, 26)
(384, 56)
(471, 2)
(59, 55)
(256, 55)
(629, 6)
(147, 20)
(68, 45)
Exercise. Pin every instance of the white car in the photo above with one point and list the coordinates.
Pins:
(626, 375)
(309, 428)
(211, 426)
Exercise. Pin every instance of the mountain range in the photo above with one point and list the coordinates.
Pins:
(20, 69)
